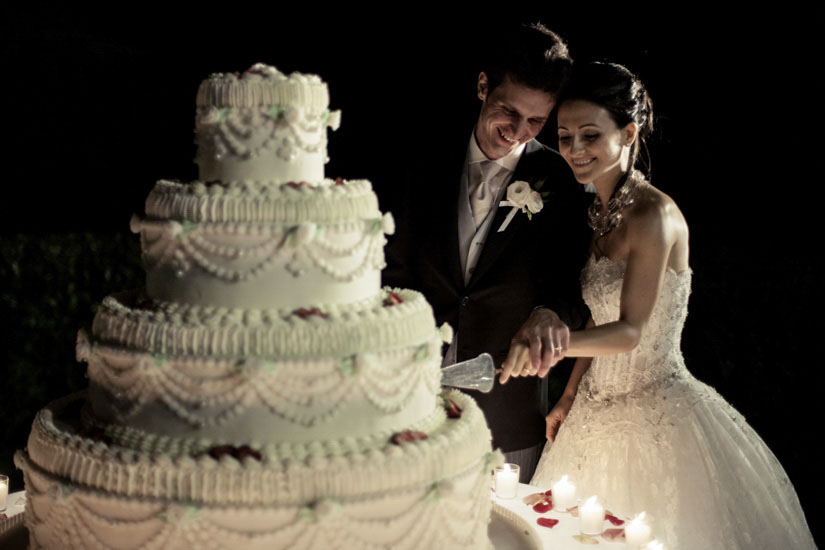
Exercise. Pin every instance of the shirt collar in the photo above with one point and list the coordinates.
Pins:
(509, 161)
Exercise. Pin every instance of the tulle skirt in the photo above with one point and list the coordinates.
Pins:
(684, 456)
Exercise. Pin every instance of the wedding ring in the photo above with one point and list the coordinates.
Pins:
(557, 349)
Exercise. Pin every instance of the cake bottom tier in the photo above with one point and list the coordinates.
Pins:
(427, 493)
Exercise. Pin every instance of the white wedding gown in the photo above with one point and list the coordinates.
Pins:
(645, 435)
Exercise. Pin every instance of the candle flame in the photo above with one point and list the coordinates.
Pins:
(638, 519)
(506, 468)
(655, 545)
(590, 501)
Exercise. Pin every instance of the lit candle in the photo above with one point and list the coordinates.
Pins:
(637, 532)
(591, 517)
(4, 491)
(655, 545)
(564, 494)
(506, 480)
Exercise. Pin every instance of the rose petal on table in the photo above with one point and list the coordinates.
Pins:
(613, 519)
(614, 534)
(574, 511)
(549, 492)
(543, 507)
(585, 539)
(547, 522)
(535, 498)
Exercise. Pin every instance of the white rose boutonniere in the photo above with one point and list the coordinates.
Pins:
(521, 197)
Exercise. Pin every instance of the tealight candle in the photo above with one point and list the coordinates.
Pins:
(506, 480)
(591, 517)
(564, 494)
(637, 532)
(4, 491)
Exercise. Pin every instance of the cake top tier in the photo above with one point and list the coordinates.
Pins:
(264, 86)
(264, 126)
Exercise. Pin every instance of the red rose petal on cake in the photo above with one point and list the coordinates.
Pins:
(218, 451)
(305, 313)
(392, 299)
(614, 534)
(543, 507)
(339, 181)
(453, 410)
(547, 522)
(407, 436)
(245, 451)
(613, 519)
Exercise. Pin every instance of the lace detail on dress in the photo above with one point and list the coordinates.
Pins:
(657, 359)
(644, 435)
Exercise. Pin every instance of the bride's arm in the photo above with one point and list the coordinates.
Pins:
(651, 233)
(559, 411)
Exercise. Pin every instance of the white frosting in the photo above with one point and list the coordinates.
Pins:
(249, 399)
(263, 391)
(242, 245)
(262, 125)
(173, 329)
(58, 448)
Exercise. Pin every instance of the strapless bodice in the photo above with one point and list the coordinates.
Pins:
(658, 357)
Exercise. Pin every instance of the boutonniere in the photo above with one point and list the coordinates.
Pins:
(520, 196)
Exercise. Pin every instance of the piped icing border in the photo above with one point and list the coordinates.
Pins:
(326, 331)
(263, 85)
(240, 252)
(458, 444)
(178, 447)
(206, 392)
(286, 203)
(448, 513)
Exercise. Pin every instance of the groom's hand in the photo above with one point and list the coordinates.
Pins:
(539, 344)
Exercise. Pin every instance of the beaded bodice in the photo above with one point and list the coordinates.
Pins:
(645, 435)
(658, 358)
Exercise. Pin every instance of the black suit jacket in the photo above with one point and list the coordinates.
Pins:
(533, 262)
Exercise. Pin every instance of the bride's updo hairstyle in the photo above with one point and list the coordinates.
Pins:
(618, 91)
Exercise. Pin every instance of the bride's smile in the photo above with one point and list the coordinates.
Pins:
(596, 149)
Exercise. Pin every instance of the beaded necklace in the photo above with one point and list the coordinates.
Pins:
(623, 197)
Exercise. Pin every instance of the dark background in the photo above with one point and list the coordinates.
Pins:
(99, 105)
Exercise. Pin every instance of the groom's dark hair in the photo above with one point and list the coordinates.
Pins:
(531, 55)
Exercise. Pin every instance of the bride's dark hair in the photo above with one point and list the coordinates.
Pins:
(621, 93)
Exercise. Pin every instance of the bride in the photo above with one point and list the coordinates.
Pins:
(634, 427)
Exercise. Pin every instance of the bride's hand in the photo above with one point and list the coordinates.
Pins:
(557, 415)
(540, 343)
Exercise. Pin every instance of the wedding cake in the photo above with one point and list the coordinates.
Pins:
(262, 391)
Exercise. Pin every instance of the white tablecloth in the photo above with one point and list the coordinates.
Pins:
(12, 533)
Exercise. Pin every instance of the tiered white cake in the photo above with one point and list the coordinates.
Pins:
(263, 391)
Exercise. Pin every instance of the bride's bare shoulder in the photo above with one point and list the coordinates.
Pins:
(655, 220)
(654, 208)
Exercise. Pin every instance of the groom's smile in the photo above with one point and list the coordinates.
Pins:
(511, 114)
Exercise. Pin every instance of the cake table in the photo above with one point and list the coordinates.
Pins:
(522, 517)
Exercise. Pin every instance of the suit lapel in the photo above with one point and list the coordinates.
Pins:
(496, 241)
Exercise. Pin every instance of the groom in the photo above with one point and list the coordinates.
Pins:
(486, 270)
